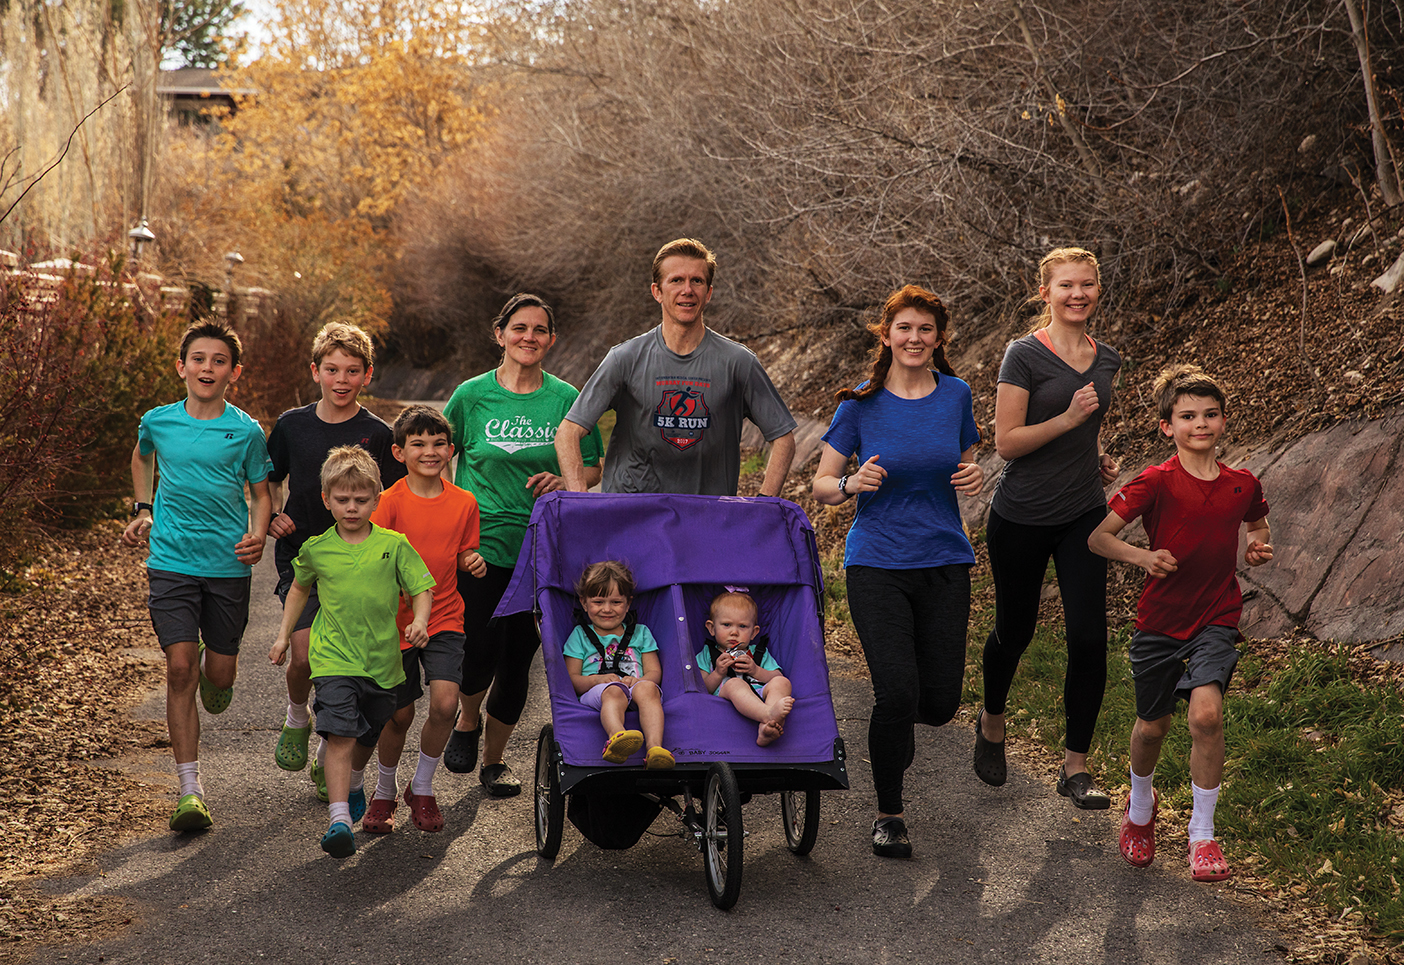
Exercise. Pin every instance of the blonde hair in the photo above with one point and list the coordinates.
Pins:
(351, 339)
(1185, 379)
(736, 597)
(350, 467)
(686, 248)
(1056, 257)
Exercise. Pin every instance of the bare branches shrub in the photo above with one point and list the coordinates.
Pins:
(80, 359)
(832, 149)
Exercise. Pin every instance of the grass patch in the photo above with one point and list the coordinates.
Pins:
(755, 462)
(1313, 802)
(1313, 796)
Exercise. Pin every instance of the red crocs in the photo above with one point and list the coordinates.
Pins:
(424, 811)
(380, 816)
(1206, 861)
(1138, 840)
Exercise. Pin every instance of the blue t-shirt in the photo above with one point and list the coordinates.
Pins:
(913, 520)
(630, 665)
(199, 511)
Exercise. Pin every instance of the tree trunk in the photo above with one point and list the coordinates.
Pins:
(1386, 163)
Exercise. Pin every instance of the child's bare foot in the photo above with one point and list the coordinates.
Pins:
(772, 729)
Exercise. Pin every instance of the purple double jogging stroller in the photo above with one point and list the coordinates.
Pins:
(682, 550)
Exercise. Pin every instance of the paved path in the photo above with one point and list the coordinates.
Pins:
(1013, 875)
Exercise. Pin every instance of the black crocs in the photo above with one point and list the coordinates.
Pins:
(461, 753)
(990, 765)
(890, 838)
(1084, 793)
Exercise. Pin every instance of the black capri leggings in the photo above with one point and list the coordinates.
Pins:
(499, 655)
(912, 624)
(1019, 556)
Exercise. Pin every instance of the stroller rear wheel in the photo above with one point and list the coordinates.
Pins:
(722, 835)
(550, 803)
(800, 812)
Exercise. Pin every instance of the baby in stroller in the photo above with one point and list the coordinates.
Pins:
(613, 663)
(736, 664)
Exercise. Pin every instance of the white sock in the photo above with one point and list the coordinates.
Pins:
(1201, 822)
(340, 811)
(189, 777)
(321, 753)
(387, 783)
(203, 655)
(1142, 798)
(298, 715)
(423, 781)
(358, 778)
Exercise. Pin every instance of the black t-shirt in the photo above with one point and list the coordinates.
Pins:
(299, 445)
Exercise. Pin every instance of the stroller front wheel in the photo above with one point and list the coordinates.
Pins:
(550, 803)
(723, 835)
(800, 812)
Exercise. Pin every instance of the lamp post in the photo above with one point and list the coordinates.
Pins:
(232, 260)
(140, 236)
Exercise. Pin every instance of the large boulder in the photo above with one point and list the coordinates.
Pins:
(1337, 520)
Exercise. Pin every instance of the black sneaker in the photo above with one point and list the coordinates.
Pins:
(890, 838)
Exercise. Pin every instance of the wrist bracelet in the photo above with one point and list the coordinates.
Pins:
(843, 485)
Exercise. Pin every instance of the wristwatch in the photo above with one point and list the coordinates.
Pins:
(843, 485)
(138, 506)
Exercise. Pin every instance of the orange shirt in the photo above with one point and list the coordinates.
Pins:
(439, 529)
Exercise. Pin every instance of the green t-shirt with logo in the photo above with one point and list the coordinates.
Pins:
(354, 632)
(503, 439)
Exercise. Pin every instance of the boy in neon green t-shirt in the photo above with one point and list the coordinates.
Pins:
(359, 570)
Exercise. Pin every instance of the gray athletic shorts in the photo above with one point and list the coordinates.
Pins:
(309, 612)
(352, 707)
(441, 659)
(189, 608)
(1165, 669)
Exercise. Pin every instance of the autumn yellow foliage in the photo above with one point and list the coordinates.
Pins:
(354, 108)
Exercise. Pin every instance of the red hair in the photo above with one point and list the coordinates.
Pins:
(908, 296)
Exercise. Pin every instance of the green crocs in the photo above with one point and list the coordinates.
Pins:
(191, 814)
(291, 752)
(215, 699)
(319, 778)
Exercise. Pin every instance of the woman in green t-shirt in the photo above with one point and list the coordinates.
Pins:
(504, 430)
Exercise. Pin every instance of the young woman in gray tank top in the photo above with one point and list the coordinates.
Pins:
(1055, 385)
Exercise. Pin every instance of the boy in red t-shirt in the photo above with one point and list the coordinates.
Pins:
(441, 522)
(1187, 618)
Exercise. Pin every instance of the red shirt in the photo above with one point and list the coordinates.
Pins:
(1197, 520)
(439, 529)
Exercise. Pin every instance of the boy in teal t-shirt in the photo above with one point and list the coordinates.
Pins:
(204, 540)
(359, 570)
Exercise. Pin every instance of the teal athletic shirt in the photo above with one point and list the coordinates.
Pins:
(203, 464)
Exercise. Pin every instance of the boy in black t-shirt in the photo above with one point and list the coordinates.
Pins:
(342, 362)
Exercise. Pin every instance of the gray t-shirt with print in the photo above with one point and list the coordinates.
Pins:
(678, 417)
(1060, 480)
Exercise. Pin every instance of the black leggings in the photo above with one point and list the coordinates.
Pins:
(499, 655)
(1019, 556)
(912, 624)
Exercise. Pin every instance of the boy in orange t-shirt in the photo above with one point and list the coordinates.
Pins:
(441, 522)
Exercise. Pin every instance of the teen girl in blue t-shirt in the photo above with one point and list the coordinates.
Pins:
(907, 558)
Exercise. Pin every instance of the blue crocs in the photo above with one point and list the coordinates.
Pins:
(339, 842)
(357, 801)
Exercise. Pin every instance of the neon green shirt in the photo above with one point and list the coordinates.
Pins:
(354, 633)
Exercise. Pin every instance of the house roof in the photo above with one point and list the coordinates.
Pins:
(197, 82)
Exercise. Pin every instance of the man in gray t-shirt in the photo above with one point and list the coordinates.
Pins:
(679, 392)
